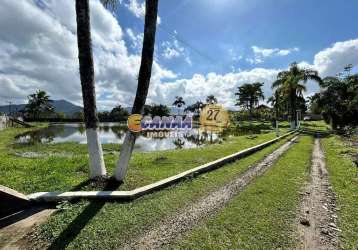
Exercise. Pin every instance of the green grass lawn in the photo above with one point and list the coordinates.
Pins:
(262, 216)
(60, 173)
(344, 179)
(319, 126)
(100, 225)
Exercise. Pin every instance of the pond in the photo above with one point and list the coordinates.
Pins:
(115, 133)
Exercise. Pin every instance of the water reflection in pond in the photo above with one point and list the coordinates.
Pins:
(114, 133)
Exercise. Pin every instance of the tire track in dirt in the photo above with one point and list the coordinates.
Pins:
(318, 220)
(174, 226)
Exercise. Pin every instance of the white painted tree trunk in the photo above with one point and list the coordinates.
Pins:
(277, 129)
(97, 167)
(293, 125)
(124, 156)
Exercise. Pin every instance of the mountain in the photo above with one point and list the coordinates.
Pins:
(66, 107)
(60, 106)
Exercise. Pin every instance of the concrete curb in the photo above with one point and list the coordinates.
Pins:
(138, 192)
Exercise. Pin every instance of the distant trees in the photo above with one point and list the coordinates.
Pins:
(249, 95)
(195, 108)
(156, 110)
(291, 85)
(211, 99)
(118, 114)
(38, 104)
(179, 102)
(78, 115)
(338, 101)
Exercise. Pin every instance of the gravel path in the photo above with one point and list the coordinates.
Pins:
(318, 219)
(174, 226)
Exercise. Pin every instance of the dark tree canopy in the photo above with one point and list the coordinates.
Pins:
(156, 110)
(292, 83)
(338, 102)
(38, 103)
(249, 95)
(179, 102)
(211, 99)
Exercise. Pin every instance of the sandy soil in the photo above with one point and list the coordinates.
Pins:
(318, 220)
(173, 227)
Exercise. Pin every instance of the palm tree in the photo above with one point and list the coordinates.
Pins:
(211, 99)
(291, 84)
(195, 108)
(249, 96)
(276, 102)
(38, 103)
(85, 56)
(145, 72)
(179, 102)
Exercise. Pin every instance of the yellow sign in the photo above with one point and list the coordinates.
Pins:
(214, 118)
(134, 123)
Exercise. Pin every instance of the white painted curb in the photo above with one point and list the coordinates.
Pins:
(138, 192)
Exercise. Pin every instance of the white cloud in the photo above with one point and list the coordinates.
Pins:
(255, 60)
(38, 50)
(332, 60)
(172, 49)
(136, 39)
(261, 53)
(234, 56)
(222, 86)
(137, 8)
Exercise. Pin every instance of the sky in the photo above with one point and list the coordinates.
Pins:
(203, 47)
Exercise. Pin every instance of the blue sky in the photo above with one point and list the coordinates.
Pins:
(214, 30)
(203, 47)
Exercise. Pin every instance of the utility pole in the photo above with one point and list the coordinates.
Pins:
(10, 107)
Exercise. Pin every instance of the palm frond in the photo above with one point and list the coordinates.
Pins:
(112, 4)
(276, 84)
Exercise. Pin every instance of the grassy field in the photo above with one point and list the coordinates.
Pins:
(262, 216)
(344, 179)
(81, 225)
(60, 172)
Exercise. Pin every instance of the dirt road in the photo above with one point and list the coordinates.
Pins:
(318, 219)
(174, 226)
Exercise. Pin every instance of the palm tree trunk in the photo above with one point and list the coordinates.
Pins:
(293, 110)
(97, 167)
(145, 72)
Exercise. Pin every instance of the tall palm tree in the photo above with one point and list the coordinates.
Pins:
(249, 96)
(38, 103)
(85, 56)
(145, 72)
(291, 84)
(179, 102)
